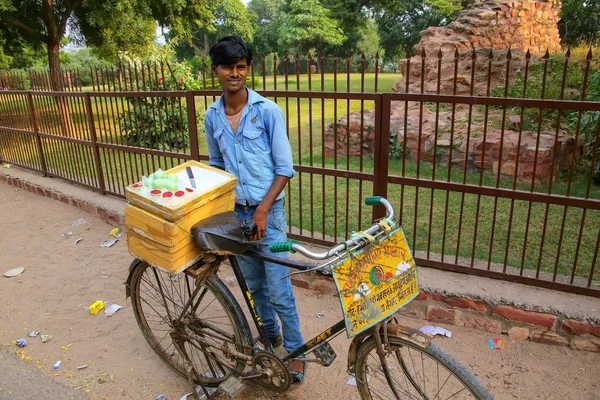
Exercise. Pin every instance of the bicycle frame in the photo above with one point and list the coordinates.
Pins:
(309, 345)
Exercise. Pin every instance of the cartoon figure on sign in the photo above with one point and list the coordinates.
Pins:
(402, 268)
(376, 275)
(362, 290)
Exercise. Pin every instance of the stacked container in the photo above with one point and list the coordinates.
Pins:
(158, 222)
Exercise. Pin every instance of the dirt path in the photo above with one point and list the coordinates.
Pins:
(61, 279)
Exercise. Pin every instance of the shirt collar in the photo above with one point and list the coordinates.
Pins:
(253, 98)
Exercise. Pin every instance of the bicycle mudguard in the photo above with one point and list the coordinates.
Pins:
(128, 280)
(412, 335)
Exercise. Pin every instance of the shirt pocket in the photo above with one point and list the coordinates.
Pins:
(218, 135)
(255, 141)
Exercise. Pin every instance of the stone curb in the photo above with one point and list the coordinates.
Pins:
(519, 323)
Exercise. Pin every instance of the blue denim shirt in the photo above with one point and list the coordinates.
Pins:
(259, 151)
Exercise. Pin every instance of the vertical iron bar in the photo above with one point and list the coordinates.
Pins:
(310, 144)
(100, 173)
(500, 156)
(348, 146)
(535, 160)
(444, 229)
(518, 156)
(585, 81)
(38, 139)
(404, 133)
(383, 104)
(287, 129)
(190, 101)
(435, 139)
(362, 128)
(323, 141)
(482, 163)
(301, 200)
(414, 244)
(335, 150)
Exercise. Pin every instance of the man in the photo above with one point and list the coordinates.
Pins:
(246, 136)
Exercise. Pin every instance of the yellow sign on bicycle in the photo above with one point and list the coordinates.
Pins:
(376, 281)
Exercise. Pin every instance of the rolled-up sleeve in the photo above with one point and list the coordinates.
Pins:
(214, 153)
(281, 150)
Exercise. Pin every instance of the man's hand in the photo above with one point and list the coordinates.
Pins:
(260, 219)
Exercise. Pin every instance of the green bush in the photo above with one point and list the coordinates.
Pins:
(155, 123)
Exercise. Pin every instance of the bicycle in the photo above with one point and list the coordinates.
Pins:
(197, 327)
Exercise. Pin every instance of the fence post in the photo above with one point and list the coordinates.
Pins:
(90, 117)
(382, 149)
(38, 139)
(192, 125)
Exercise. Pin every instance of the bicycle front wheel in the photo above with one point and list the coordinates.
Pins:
(158, 300)
(414, 373)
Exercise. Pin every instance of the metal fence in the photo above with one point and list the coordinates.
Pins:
(489, 157)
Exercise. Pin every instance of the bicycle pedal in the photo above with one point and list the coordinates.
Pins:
(325, 354)
(231, 386)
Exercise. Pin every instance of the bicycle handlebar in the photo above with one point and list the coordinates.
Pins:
(293, 246)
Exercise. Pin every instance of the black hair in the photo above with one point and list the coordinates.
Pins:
(229, 50)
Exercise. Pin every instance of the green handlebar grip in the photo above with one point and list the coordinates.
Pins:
(373, 200)
(283, 246)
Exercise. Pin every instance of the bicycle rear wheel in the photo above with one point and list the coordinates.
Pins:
(415, 373)
(158, 299)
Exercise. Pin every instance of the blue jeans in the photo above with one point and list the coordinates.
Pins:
(272, 295)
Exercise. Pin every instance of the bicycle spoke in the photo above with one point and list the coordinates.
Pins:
(423, 377)
(166, 303)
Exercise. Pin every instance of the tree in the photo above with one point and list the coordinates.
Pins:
(352, 18)
(307, 26)
(267, 17)
(230, 17)
(399, 23)
(579, 22)
(369, 39)
(46, 21)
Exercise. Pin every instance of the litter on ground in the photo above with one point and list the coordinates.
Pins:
(78, 222)
(14, 272)
(112, 309)
(435, 330)
(109, 242)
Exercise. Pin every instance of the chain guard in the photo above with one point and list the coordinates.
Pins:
(274, 374)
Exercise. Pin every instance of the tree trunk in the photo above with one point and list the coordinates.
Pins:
(56, 83)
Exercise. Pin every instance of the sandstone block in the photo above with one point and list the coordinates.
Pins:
(443, 315)
(457, 302)
(549, 337)
(527, 317)
(586, 345)
(518, 334)
(575, 327)
(483, 324)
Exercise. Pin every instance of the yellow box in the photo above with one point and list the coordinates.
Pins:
(211, 183)
(96, 307)
(165, 244)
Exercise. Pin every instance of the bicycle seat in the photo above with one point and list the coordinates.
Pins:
(221, 234)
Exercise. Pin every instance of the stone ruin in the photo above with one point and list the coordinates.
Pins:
(502, 149)
(484, 31)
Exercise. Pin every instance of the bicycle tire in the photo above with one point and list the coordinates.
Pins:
(434, 356)
(164, 347)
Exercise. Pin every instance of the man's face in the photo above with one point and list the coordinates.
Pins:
(232, 77)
